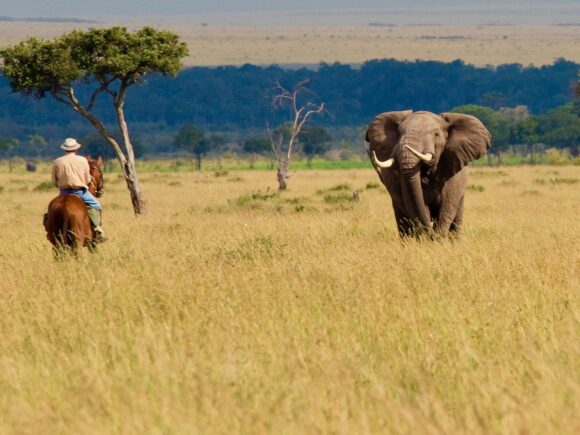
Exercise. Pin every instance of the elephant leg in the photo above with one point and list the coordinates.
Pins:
(456, 224)
(451, 212)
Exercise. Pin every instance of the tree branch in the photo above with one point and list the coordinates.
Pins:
(119, 103)
(103, 88)
(275, 147)
(78, 107)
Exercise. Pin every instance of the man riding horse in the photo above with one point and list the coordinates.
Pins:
(71, 174)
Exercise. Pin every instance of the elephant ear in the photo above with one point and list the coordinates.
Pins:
(383, 132)
(467, 140)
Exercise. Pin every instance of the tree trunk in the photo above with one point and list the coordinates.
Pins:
(10, 164)
(499, 157)
(252, 160)
(130, 171)
(198, 161)
(489, 159)
(126, 160)
(282, 174)
(134, 188)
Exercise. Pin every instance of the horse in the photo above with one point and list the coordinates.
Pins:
(67, 222)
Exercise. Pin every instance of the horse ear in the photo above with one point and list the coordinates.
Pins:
(468, 140)
(100, 161)
(383, 132)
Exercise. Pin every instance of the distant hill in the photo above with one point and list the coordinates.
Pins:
(48, 20)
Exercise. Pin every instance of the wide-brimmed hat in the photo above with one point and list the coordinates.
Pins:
(70, 144)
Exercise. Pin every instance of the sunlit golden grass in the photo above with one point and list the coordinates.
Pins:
(231, 309)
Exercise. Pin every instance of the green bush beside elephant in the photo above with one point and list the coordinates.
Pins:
(422, 158)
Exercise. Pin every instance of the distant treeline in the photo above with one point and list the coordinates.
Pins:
(230, 99)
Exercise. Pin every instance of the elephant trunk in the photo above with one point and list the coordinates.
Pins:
(411, 188)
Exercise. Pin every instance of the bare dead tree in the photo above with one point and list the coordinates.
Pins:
(284, 138)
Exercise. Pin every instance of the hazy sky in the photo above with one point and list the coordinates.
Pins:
(87, 8)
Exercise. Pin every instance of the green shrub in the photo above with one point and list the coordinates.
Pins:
(338, 198)
(337, 188)
(564, 180)
(252, 200)
(475, 188)
(555, 181)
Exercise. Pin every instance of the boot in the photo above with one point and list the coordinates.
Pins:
(95, 217)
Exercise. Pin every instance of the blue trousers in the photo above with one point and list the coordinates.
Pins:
(85, 195)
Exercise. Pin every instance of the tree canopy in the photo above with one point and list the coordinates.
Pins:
(194, 140)
(38, 66)
(98, 62)
(314, 140)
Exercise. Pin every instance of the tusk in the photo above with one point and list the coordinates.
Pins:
(426, 157)
(386, 164)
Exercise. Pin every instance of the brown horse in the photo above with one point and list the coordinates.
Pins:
(67, 222)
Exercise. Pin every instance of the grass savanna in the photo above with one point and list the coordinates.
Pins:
(223, 44)
(232, 308)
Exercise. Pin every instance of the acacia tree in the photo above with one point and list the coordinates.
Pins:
(314, 141)
(256, 145)
(7, 145)
(193, 139)
(284, 138)
(37, 143)
(560, 128)
(104, 61)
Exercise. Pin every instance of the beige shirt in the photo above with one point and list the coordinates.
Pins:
(71, 171)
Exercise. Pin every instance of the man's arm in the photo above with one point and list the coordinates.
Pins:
(86, 172)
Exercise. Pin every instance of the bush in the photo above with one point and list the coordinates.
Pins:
(475, 187)
(252, 200)
(337, 188)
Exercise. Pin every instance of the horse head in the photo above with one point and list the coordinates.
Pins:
(96, 184)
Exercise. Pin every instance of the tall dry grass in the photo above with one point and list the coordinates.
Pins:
(231, 309)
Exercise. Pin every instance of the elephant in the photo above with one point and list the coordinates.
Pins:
(422, 159)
